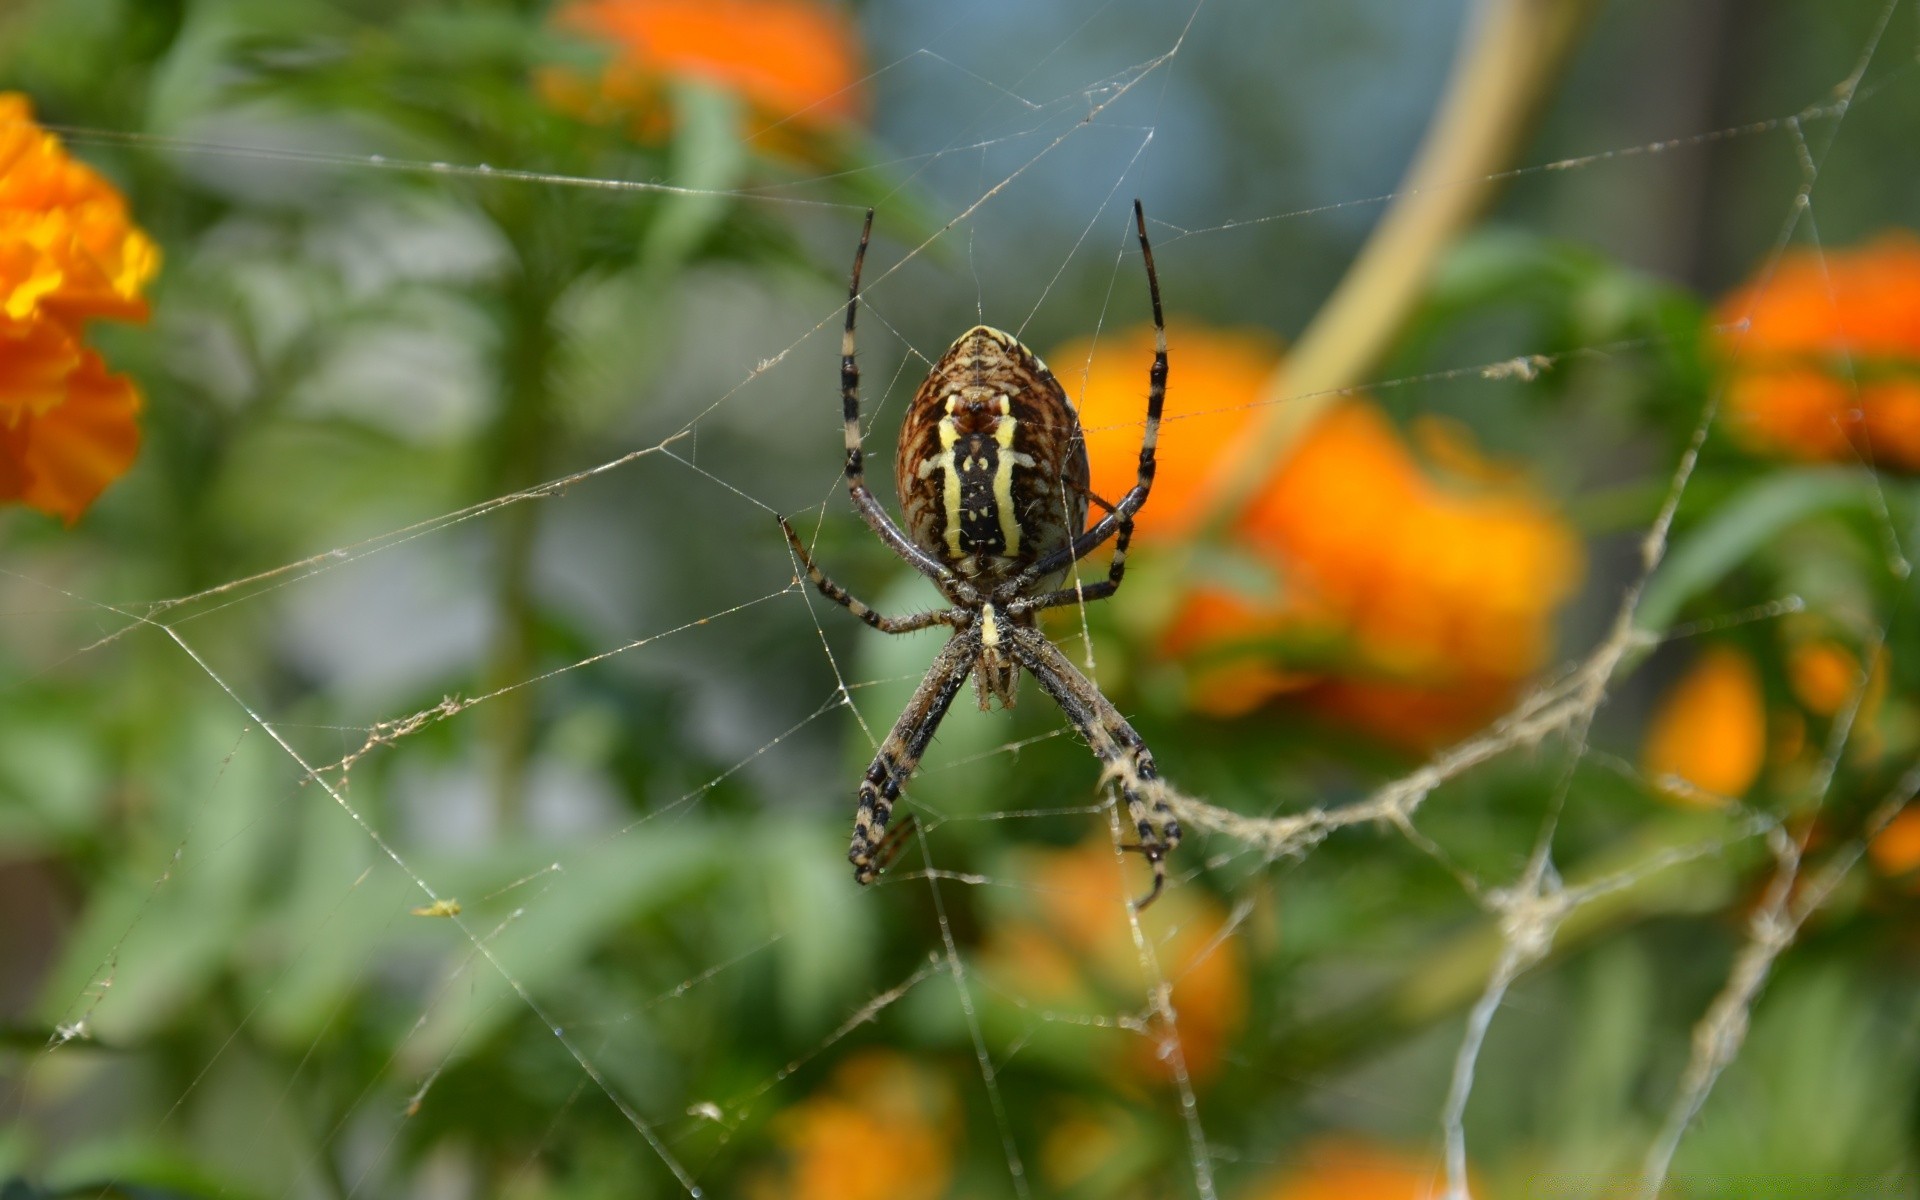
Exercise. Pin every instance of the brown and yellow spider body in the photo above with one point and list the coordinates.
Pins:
(992, 472)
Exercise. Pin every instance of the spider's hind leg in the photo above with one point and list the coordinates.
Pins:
(1128, 763)
(900, 753)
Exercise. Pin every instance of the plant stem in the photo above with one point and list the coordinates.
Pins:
(521, 442)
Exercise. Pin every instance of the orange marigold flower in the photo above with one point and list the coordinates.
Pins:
(1405, 605)
(68, 253)
(1347, 1168)
(1076, 945)
(882, 1129)
(67, 247)
(1430, 581)
(1823, 674)
(1708, 737)
(1895, 850)
(1217, 374)
(1828, 366)
(60, 460)
(791, 61)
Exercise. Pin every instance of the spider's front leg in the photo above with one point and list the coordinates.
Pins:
(1087, 592)
(1119, 516)
(1119, 748)
(864, 502)
(900, 753)
(854, 604)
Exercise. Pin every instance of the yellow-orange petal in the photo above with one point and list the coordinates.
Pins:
(1228, 640)
(1787, 312)
(60, 460)
(882, 1129)
(1795, 412)
(1862, 301)
(1429, 581)
(1896, 849)
(37, 358)
(1876, 288)
(1081, 919)
(68, 248)
(1828, 368)
(1823, 675)
(1891, 408)
(1708, 736)
(793, 61)
(1434, 598)
(1349, 1168)
(1417, 716)
(1214, 375)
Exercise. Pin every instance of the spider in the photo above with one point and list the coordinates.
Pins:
(993, 480)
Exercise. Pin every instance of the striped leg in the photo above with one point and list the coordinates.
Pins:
(853, 604)
(1127, 760)
(1122, 513)
(1092, 591)
(864, 501)
(901, 752)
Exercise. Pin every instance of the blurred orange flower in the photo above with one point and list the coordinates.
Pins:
(1895, 850)
(1347, 1168)
(1823, 673)
(1215, 376)
(882, 1129)
(1708, 736)
(795, 63)
(1075, 946)
(68, 253)
(1085, 1143)
(1828, 366)
(1409, 605)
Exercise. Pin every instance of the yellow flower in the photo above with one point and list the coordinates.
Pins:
(1423, 601)
(68, 253)
(1828, 365)
(1708, 736)
(796, 63)
(883, 1128)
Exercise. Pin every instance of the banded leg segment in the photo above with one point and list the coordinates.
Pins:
(1115, 743)
(1116, 570)
(864, 501)
(854, 604)
(1122, 513)
(900, 753)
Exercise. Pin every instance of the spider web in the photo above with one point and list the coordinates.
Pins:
(323, 819)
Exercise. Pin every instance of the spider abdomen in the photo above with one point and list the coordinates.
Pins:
(992, 469)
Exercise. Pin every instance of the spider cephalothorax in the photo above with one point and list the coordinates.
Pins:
(992, 471)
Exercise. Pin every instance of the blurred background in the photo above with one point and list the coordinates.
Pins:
(421, 773)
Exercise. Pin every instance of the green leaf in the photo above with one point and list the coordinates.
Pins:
(708, 160)
(1744, 523)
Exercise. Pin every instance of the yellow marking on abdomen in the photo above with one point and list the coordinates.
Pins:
(1003, 478)
(950, 480)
